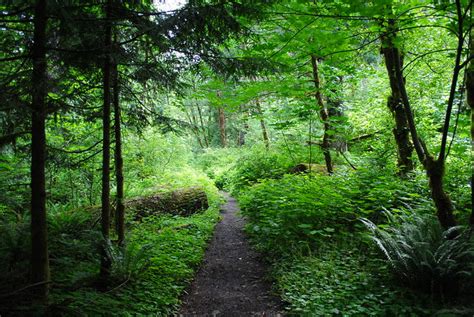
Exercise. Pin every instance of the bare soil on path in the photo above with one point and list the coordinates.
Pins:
(231, 280)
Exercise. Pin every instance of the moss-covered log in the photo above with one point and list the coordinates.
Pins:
(307, 168)
(183, 202)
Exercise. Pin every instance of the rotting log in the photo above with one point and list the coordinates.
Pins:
(308, 168)
(183, 202)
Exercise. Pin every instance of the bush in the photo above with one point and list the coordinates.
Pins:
(424, 256)
(305, 209)
(258, 164)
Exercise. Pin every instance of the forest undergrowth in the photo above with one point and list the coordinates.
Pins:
(149, 272)
(324, 259)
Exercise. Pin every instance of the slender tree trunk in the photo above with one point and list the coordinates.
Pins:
(245, 127)
(336, 110)
(120, 209)
(203, 127)
(106, 263)
(197, 129)
(222, 126)
(263, 126)
(221, 120)
(470, 102)
(401, 131)
(39, 231)
(435, 167)
(324, 115)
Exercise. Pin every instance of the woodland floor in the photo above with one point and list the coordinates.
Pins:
(231, 280)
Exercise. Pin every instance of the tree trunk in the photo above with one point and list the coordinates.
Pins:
(120, 210)
(470, 102)
(336, 111)
(245, 126)
(203, 127)
(39, 231)
(266, 140)
(193, 123)
(222, 126)
(401, 131)
(105, 262)
(444, 206)
(324, 115)
(434, 167)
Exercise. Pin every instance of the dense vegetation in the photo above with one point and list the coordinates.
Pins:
(344, 128)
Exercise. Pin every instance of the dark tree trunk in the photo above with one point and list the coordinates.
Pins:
(263, 126)
(39, 231)
(401, 131)
(120, 210)
(470, 102)
(434, 167)
(444, 206)
(326, 144)
(105, 263)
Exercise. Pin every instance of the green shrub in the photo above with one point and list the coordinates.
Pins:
(424, 256)
(304, 209)
(256, 165)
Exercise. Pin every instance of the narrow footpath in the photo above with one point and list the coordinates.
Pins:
(231, 281)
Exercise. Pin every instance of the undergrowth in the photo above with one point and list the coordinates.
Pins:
(323, 262)
(148, 274)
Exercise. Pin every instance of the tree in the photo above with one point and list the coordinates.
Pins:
(39, 231)
(470, 102)
(323, 111)
(106, 263)
(401, 131)
(435, 167)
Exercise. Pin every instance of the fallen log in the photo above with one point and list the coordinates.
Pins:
(306, 168)
(183, 202)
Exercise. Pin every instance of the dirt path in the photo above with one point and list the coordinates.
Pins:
(231, 280)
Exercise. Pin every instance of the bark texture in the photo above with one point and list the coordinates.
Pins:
(323, 112)
(105, 263)
(263, 126)
(40, 272)
(401, 132)
(470, 102)
(120, 210)
(434, 167)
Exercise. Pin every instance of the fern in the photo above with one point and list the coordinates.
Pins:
(424, 256)
(130, 260)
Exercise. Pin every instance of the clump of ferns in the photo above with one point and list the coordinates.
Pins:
(424, 256)
(129, 261)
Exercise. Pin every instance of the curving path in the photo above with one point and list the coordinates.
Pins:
(231, 279)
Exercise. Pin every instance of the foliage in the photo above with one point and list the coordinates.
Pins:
(342, 282)
(151, 271)
(304, 209)
(424, 256)
(308, 227)
(257, 164)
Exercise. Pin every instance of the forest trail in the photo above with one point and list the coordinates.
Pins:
(231, 280)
